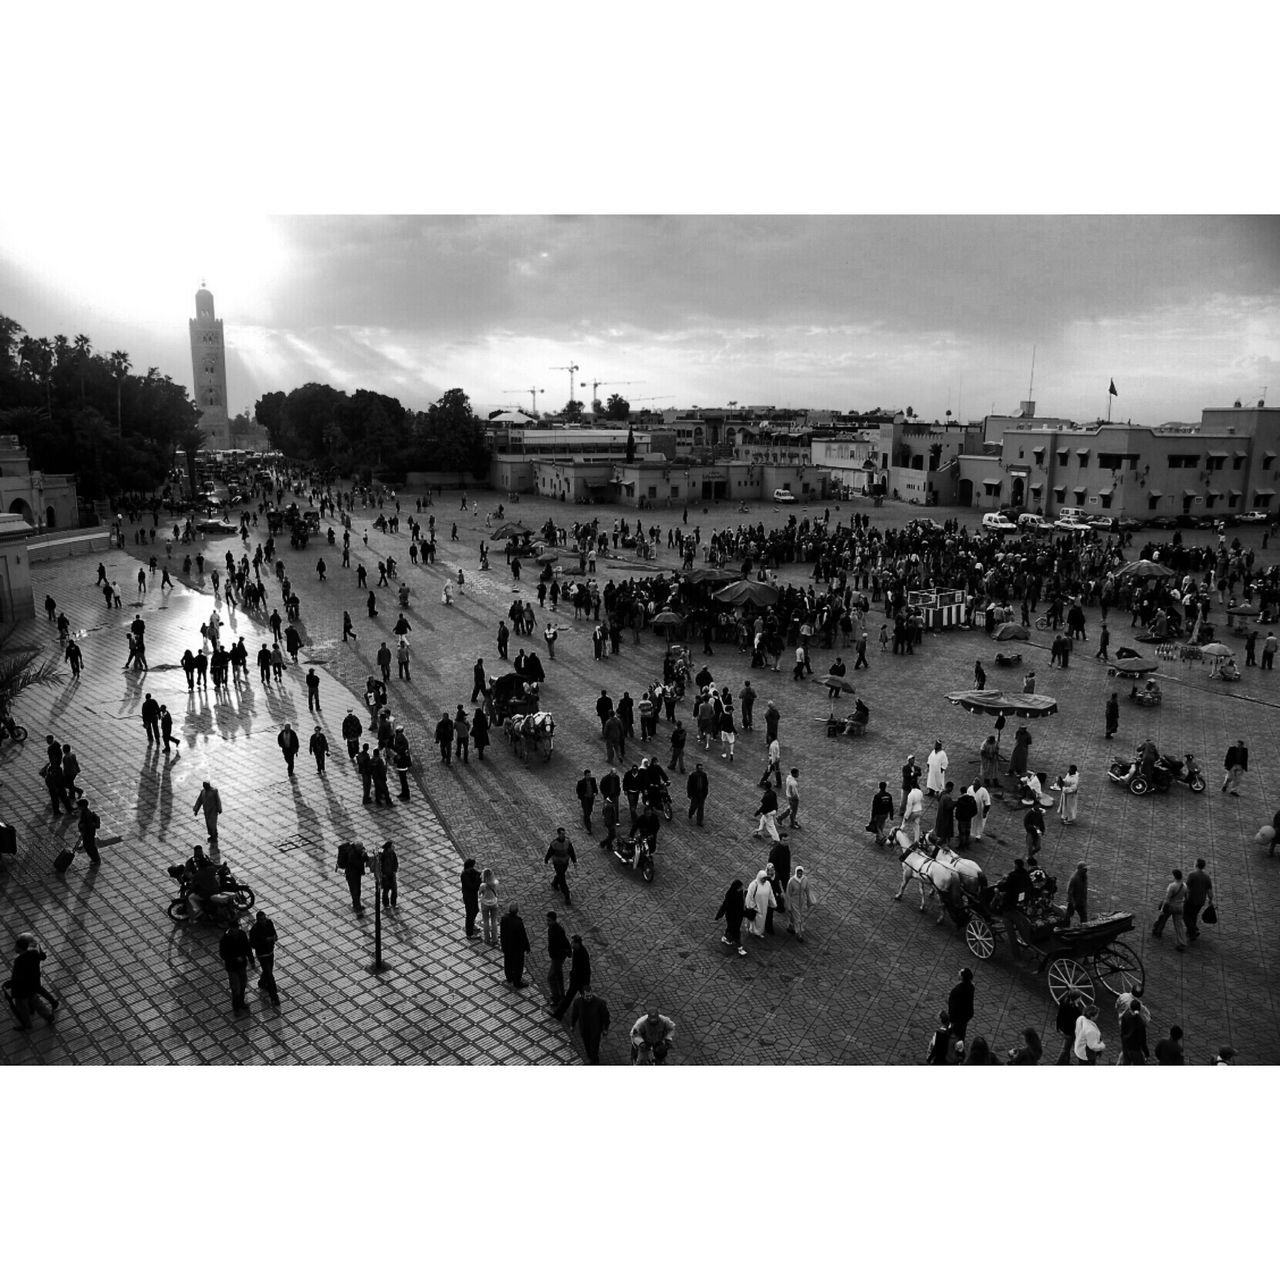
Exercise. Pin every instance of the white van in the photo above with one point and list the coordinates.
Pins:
(994, 522)
(783, 495)
(1075, 514)
(1029, 522)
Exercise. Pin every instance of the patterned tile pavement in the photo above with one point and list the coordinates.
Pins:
(866, 987)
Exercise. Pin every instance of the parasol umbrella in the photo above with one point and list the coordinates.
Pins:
(512, 529)
(1135, 666)
(711, 576)
(1011, 631)
(744, 592)
(992, 702)
(1244, 611)
(548, 557)
(1217, 650)
(667, 618)
(837, 682)
(1144, 569)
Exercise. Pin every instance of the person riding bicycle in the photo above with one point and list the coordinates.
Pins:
(651, 1038)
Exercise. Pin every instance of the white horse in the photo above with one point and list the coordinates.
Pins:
(940, 873)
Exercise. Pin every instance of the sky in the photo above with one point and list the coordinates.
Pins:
(839, 312)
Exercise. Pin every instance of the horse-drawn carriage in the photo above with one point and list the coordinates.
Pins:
(513, 695)
(1075, 956)
(531, 733)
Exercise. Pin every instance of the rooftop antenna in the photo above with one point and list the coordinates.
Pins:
(1032, 383)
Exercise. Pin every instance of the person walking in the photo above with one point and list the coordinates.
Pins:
(353, 868)
(489, 906)
(1067, 1015)
(313, 690)
(937, 764)
(1113, 715)
(767, 813)
(364, 763)
(262, 938)
(461, 735)
(235, 952)
(378, 770)
(679, 737)
(965, 811)
(557, 953)
(348, 629)
(1088, 1045)
(590, 1014)
(1104, 639)
(319, 748)
(799, 902)
(1236, 765)
(560, 854)
(960, 1003)
(587, 792)
(1033, 825)
(26, 986)
(912, 812)
(289, 746)
(470, 879)
(87, 823)
(760, 901)
(515, 946)
(389, 869)
(1078, 894)
(480, 731)
(151, 720)
(479, 681)
(402, 659)
(792, 793)
(732, 912)
(1269, 647)
(696, 788)
(773, 763)
(614, 738)
(444, 737)
(1070, 797)
(979, 676)
(1171, 908)
(210, 802)
(1133, 1036)
(881, 813)
(579, 976)
(1199, 896)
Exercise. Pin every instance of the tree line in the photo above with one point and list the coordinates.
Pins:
(83, 412)
(367, 433)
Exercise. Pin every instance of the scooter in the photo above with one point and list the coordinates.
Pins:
(659, 798)
(636, 854)
(1186, 771)
(10, 728)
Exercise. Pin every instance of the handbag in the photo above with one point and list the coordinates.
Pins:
(749, 913)
(1210, 914)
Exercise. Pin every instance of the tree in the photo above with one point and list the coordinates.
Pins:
(190, 440)
(450, 437)
(10, 334)
(617, 410)
(572, 411)
(631, 444)
(88, 428)
(83, 351)
(119, 364)
(17, 674)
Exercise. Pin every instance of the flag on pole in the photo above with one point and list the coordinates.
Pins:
(1111, 391)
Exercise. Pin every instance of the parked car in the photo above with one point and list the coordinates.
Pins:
(1188, 521)
(217, 526)
(1029, 522)
(994, 522)
(1127, 524)
(1070, 525)
(783, 495)
(1255, 517)
(1163, 522)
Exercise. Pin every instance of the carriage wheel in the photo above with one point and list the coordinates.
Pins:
(980, 939)
(1068, 976)
(1119, 968)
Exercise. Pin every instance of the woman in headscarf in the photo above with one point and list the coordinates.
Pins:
(759, 902)
(799, 900)
(1021, 749)
(731, 910)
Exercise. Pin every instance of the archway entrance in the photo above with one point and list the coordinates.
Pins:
(20, 507)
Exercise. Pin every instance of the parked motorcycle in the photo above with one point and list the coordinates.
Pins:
(10, 728)
(659, 798)
(233, 897)
(636, 854)
(1186, 771)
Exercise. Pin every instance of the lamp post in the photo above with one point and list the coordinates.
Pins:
(378, 966)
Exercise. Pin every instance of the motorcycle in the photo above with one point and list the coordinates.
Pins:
(659, 798)
(1186, 771)
(233, 897)
(636, 854)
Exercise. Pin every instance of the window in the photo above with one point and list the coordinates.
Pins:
(1059, 492)
(1106, 499)
(1238, 463)
(675, 490)
(1152, 502)
(1216, 460)
(1185, 461)
(1079, 492)
(1063, 455)
(653, 491)
(1267, 460)
(1083, 455)
(1038, 455)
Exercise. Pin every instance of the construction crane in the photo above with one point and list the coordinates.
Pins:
(535, 392)
(598, 384)
(572, 369)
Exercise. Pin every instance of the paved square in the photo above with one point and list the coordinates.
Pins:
(865, 989)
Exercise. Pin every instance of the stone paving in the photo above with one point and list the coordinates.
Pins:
(865, 989)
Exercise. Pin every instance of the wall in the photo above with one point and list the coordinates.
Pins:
(16, 600)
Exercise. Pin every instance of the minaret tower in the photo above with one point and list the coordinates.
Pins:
(209, 370)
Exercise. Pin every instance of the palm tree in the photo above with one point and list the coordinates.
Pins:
(118, 362)
(44, 370)
(83, 351)
(17, 674)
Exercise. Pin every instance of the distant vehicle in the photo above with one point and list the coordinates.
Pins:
(1162, 522)
(1127, 524)
(217, 526)
(1188, 521)
(1255, 517)
(783, 495)
(1030, 523)
(1079, 514)
(1072, 526)
(994, 522)
(1104, 524)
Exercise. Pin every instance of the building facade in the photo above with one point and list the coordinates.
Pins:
(43, 500)
(209, 372)
(16, 599)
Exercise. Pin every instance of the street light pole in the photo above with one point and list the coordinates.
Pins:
(378, 966)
